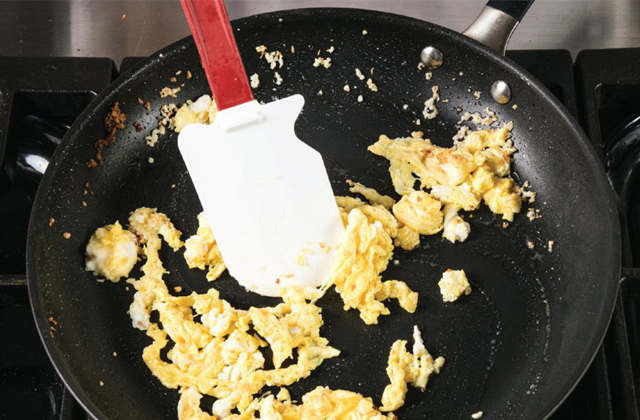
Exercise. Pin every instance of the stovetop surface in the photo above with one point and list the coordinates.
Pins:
(40, 98)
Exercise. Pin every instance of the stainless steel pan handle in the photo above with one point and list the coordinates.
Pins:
(496, 23)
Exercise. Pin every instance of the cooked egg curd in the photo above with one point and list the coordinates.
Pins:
(404, 367)
(475, 169)
(111, 252)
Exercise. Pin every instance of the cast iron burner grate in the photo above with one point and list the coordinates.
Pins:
(40, 97)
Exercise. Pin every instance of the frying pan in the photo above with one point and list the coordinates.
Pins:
(514, 347)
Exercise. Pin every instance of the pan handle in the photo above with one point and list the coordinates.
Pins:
(496, 23)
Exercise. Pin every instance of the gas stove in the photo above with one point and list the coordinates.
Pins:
(41, 97)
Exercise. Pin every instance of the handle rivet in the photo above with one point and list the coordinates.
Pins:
(431, 57)
(501, 92)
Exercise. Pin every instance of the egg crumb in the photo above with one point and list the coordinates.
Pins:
(453, 284)
(533, 214)
(430, 110)
(324, 247)
(478, 118)
(301, 260)
(324, 62)
(372, 86)
(254, 80)
(278, 79)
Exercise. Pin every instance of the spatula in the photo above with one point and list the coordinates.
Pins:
(266, 194)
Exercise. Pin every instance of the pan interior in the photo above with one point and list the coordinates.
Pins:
(514, 347)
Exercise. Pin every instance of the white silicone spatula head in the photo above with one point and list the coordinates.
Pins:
(266, 194)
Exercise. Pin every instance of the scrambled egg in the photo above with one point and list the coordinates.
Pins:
(201, 250)
(373, 196)
(455, 228)
(148, 224)
(407, 238)
(404, 367)
(362, 256)
(320, 404)
(215, 348)
(419, 211)
(111, 252)
(202, 111)
(453, 284)
(475, 169)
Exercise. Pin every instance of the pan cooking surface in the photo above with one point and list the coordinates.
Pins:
(514, 347)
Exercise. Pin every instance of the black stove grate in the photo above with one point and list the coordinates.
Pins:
(48, 93)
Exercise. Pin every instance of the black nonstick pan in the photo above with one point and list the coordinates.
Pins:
(514, 347)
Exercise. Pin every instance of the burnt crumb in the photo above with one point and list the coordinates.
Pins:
(113, 122)
(86, 184)
(137, 126)
(53, 323)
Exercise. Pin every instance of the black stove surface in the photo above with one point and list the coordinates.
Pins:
(40, 98)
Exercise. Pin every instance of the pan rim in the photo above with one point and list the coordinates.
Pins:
(588, 150)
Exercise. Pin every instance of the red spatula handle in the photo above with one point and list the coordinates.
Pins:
(216, 44)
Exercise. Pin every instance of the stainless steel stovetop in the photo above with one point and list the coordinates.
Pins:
(122, 28)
